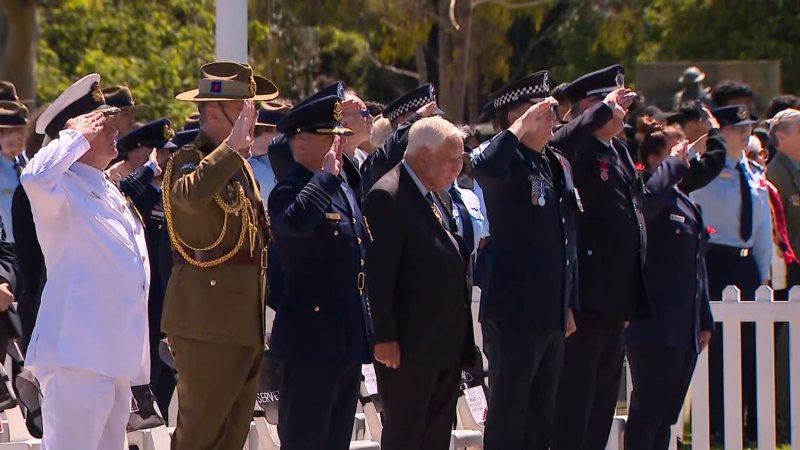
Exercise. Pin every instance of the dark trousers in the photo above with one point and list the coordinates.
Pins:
(317, 404)
(590, 377)
(419, 405)
(524, 368)
(726, 269)
(661, 376)
(162, 378)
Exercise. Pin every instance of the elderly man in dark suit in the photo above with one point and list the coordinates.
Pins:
(419, 296)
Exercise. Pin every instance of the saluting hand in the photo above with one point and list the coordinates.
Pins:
(6, 297)
(89, 124)
(388, 354)
(332, 163)
(535, 121)
(154, 157)
(681, 151)
(427, 109)
(242, 133)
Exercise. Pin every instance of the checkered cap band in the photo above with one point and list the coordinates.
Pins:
(524, 92)
(411, 105)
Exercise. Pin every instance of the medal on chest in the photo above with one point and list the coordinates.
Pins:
(537, 190)
(604, 166)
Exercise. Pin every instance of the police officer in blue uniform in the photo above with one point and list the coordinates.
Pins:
(402, 112)
(322, 324)
(143, 187)
(611, 255)
(531, 290)
(736, 206)
(662, 351)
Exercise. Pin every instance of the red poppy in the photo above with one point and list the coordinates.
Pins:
(639, 167)
(711, 230)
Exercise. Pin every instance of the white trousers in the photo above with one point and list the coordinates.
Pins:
(82, 410)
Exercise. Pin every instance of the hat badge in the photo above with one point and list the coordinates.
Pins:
(741, 113)
(337, 111)
(168, 132)
(97, 94)
(252, 87)
(340, 90)
(620, 79)
(546, 82)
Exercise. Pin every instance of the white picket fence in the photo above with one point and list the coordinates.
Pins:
(731, 312)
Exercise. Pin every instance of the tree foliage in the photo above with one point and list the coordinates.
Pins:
(383, 47)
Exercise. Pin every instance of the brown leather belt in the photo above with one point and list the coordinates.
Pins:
(258, 258)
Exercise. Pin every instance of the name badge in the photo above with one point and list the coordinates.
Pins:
(677, 218)
(335, 217)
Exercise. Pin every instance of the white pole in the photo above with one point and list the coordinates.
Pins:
(232, 30)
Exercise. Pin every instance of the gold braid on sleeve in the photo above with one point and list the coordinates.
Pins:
(240, 207)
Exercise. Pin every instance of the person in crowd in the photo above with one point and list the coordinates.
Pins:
(527, 305)
(784, 173)
(736, 206)
(28, 251)
(356, 116)
(662, 351)
(268, 116)
(781, 102)
(121, 97)
(730, 93)
(145, 191)
(401, 113)
(214, 307)
(783, 176)
(89, 344)
(611, 257)
(321, 330)
(419, 293)
(13, 122)
(129, 160)
(692, 88)
(564, 109)
(707, 150)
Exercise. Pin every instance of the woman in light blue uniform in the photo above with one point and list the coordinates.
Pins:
(736, 209)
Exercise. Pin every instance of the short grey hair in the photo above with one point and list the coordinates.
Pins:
(431, 132)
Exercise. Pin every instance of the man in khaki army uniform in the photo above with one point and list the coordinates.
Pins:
(214, 305)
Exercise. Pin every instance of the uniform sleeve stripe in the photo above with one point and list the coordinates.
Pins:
(319, 190)
(314, 198)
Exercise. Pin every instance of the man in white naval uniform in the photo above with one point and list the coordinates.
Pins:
(90, 342)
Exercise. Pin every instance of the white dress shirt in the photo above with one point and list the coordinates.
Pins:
(93, 314)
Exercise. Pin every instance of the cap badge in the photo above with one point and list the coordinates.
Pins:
(340, 90)
(741, 113)
(168, 132)
(337, 111)
(97, 94)
(252, 87)
(620, 79)
(546, 82)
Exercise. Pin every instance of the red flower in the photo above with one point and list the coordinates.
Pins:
(711, 230)
(639, 167)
